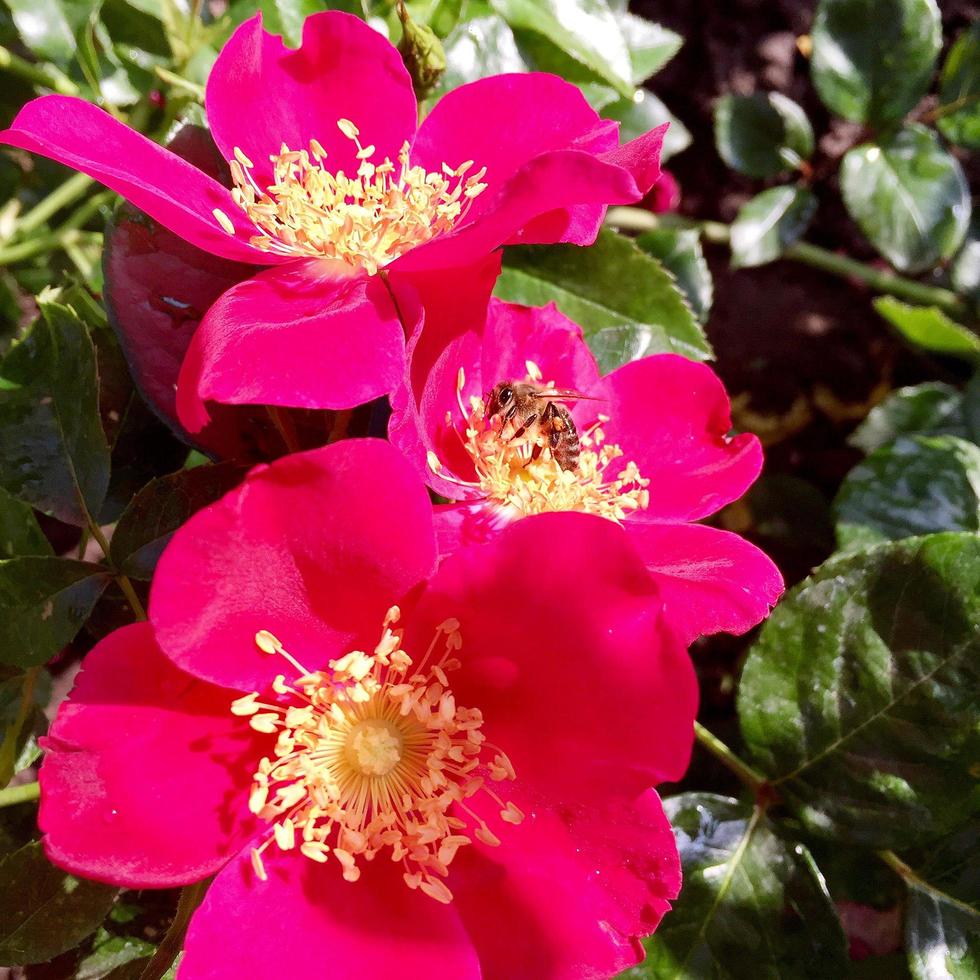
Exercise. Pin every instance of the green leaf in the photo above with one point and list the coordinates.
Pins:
(930, 409)
(859, 698)
(53, 453)
(43, 911)
(44, 29)
(942, 936)
(753, 905)
(650, 45)
(109, 953)
(44, 602)
(915, 485)
(964, 270)
(873, 59)
(959, 91)
(626, 303)
(585, 29)
(762, 135)
(478, 48)
(768, 224)
(679, 250)
(19, 530)
(644, 112)
(928, 327)
(909, 197)
(160, 508)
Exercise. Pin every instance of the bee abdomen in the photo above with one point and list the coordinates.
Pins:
(565, 445)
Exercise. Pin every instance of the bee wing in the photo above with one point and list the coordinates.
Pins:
(566, 395)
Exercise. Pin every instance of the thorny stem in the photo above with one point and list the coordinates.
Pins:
(190, 898)
(45, 75)
(125, 586)
(716, 232)
(753, 779)
(22, 793)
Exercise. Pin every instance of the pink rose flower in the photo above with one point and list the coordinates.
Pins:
(655, 455)
(388, 766)
(337, 186)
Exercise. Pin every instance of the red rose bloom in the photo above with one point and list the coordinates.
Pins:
(337, 187)
(383, 763)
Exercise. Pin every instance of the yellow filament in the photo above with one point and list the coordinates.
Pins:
(374, 754)
(366, 219)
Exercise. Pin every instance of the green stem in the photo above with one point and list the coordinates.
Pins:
(913, 880)
(950, 107)
(46, 76)
(125, 586)
(175, 80)
(749, 776)
(23, 793)
(636, 219)
(60, 197)
(42, 243)
(190, 898)
(67, 234)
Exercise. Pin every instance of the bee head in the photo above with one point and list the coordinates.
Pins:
(500, 397)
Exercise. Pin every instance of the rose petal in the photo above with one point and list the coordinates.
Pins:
(314, 548)
(571, 888)
(711, 581)
(640, 156)
(671, 416)
(290, 337)
(146, 772)
(170, 190)
(261, 94)
(563, 636)
(551, 181)
(305, 920)
(505, 121)
(441, 315)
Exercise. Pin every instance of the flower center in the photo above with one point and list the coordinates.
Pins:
(373, 754)
(366, 219)
(374, 747)
(517, 471)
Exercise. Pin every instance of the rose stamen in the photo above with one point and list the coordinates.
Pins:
(374, 753)
(366, 220)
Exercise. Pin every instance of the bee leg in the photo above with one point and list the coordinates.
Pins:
(528, 422)
(535, 455)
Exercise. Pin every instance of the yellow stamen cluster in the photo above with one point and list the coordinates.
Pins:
(521, 477)
(365, 219)
(374, 754)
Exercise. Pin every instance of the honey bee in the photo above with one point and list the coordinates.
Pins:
(533, 410)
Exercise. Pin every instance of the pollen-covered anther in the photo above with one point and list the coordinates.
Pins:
(366, 219)
(374, 754)
(519, 475)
